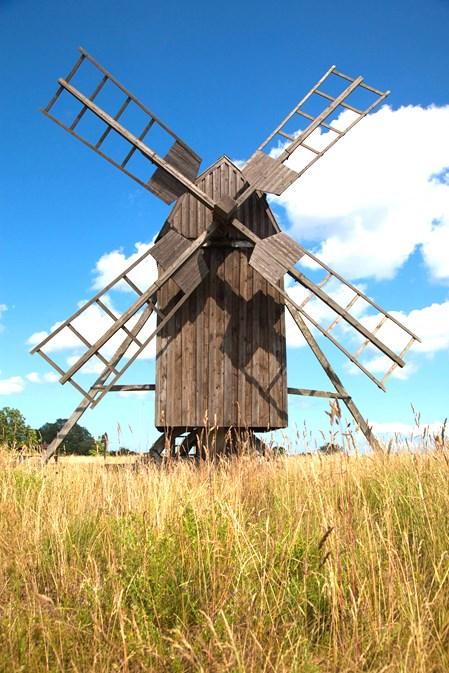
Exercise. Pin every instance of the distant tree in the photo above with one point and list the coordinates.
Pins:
(331, 447)
(79, 441)
(14, 430)
(122, 451)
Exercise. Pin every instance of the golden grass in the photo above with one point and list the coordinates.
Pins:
(334, 564)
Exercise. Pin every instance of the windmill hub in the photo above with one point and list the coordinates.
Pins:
(219, 297)
(224, 208)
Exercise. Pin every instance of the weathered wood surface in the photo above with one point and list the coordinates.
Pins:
(185, 161)
(269, 251)
(267, 174)
(222, 360)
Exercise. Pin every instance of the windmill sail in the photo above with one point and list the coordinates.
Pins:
(79, 332)
(84, 331)
(266, 169)
(99, 120)
(336, 308)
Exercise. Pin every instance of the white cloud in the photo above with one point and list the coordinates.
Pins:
(112, 263)
(133, 393)
(48, 377)
(378, 195)
(239, 162)
(435, 248)
(12, 385)
(33, 377)
(407, 429)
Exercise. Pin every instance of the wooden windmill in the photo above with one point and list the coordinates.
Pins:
(219, 296)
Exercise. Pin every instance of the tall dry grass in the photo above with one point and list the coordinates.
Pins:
(299, 564)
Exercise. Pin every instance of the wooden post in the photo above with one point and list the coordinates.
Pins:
(338, 385)
(64, 431)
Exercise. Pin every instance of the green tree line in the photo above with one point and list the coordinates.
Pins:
(15, 433)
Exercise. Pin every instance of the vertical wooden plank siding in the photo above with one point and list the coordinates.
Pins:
(224, 353)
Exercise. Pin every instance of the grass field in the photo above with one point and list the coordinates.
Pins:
(296, 564)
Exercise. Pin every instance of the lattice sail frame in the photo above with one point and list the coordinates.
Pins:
(269, 173)
(179, 155)
(356, 299)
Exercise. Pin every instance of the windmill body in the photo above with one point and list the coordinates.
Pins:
(222, 360)
(219, 296)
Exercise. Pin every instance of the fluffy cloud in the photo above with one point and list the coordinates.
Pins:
(12, 385)
(133, 393)
(407, 429)
(16, 384)
(112, 263)
(378, 195)
(48, 377)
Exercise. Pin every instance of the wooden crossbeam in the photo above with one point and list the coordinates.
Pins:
(365, 343)
(393, 366)
(133, 387)
(134, 148)
(316, 393)
(68, 78)
(336, 382)
(83, 110)
(329, 127)
(89, 345)
(364, 85)
(114, 317)
(132, 285)
(310, 296)
(343, 104)
(151, 387)
(311, 149)
(105, 133)
(348, 306)
(55, 366)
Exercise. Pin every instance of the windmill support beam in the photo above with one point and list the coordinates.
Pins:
(338, 385)
(64, 431)
(151, 387)
(132, 387)
(316, 393)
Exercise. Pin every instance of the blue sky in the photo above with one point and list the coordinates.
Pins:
(222, 76)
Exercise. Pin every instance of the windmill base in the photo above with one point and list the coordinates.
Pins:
(204, 443)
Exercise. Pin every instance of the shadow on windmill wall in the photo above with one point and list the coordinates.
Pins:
(235, 325)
